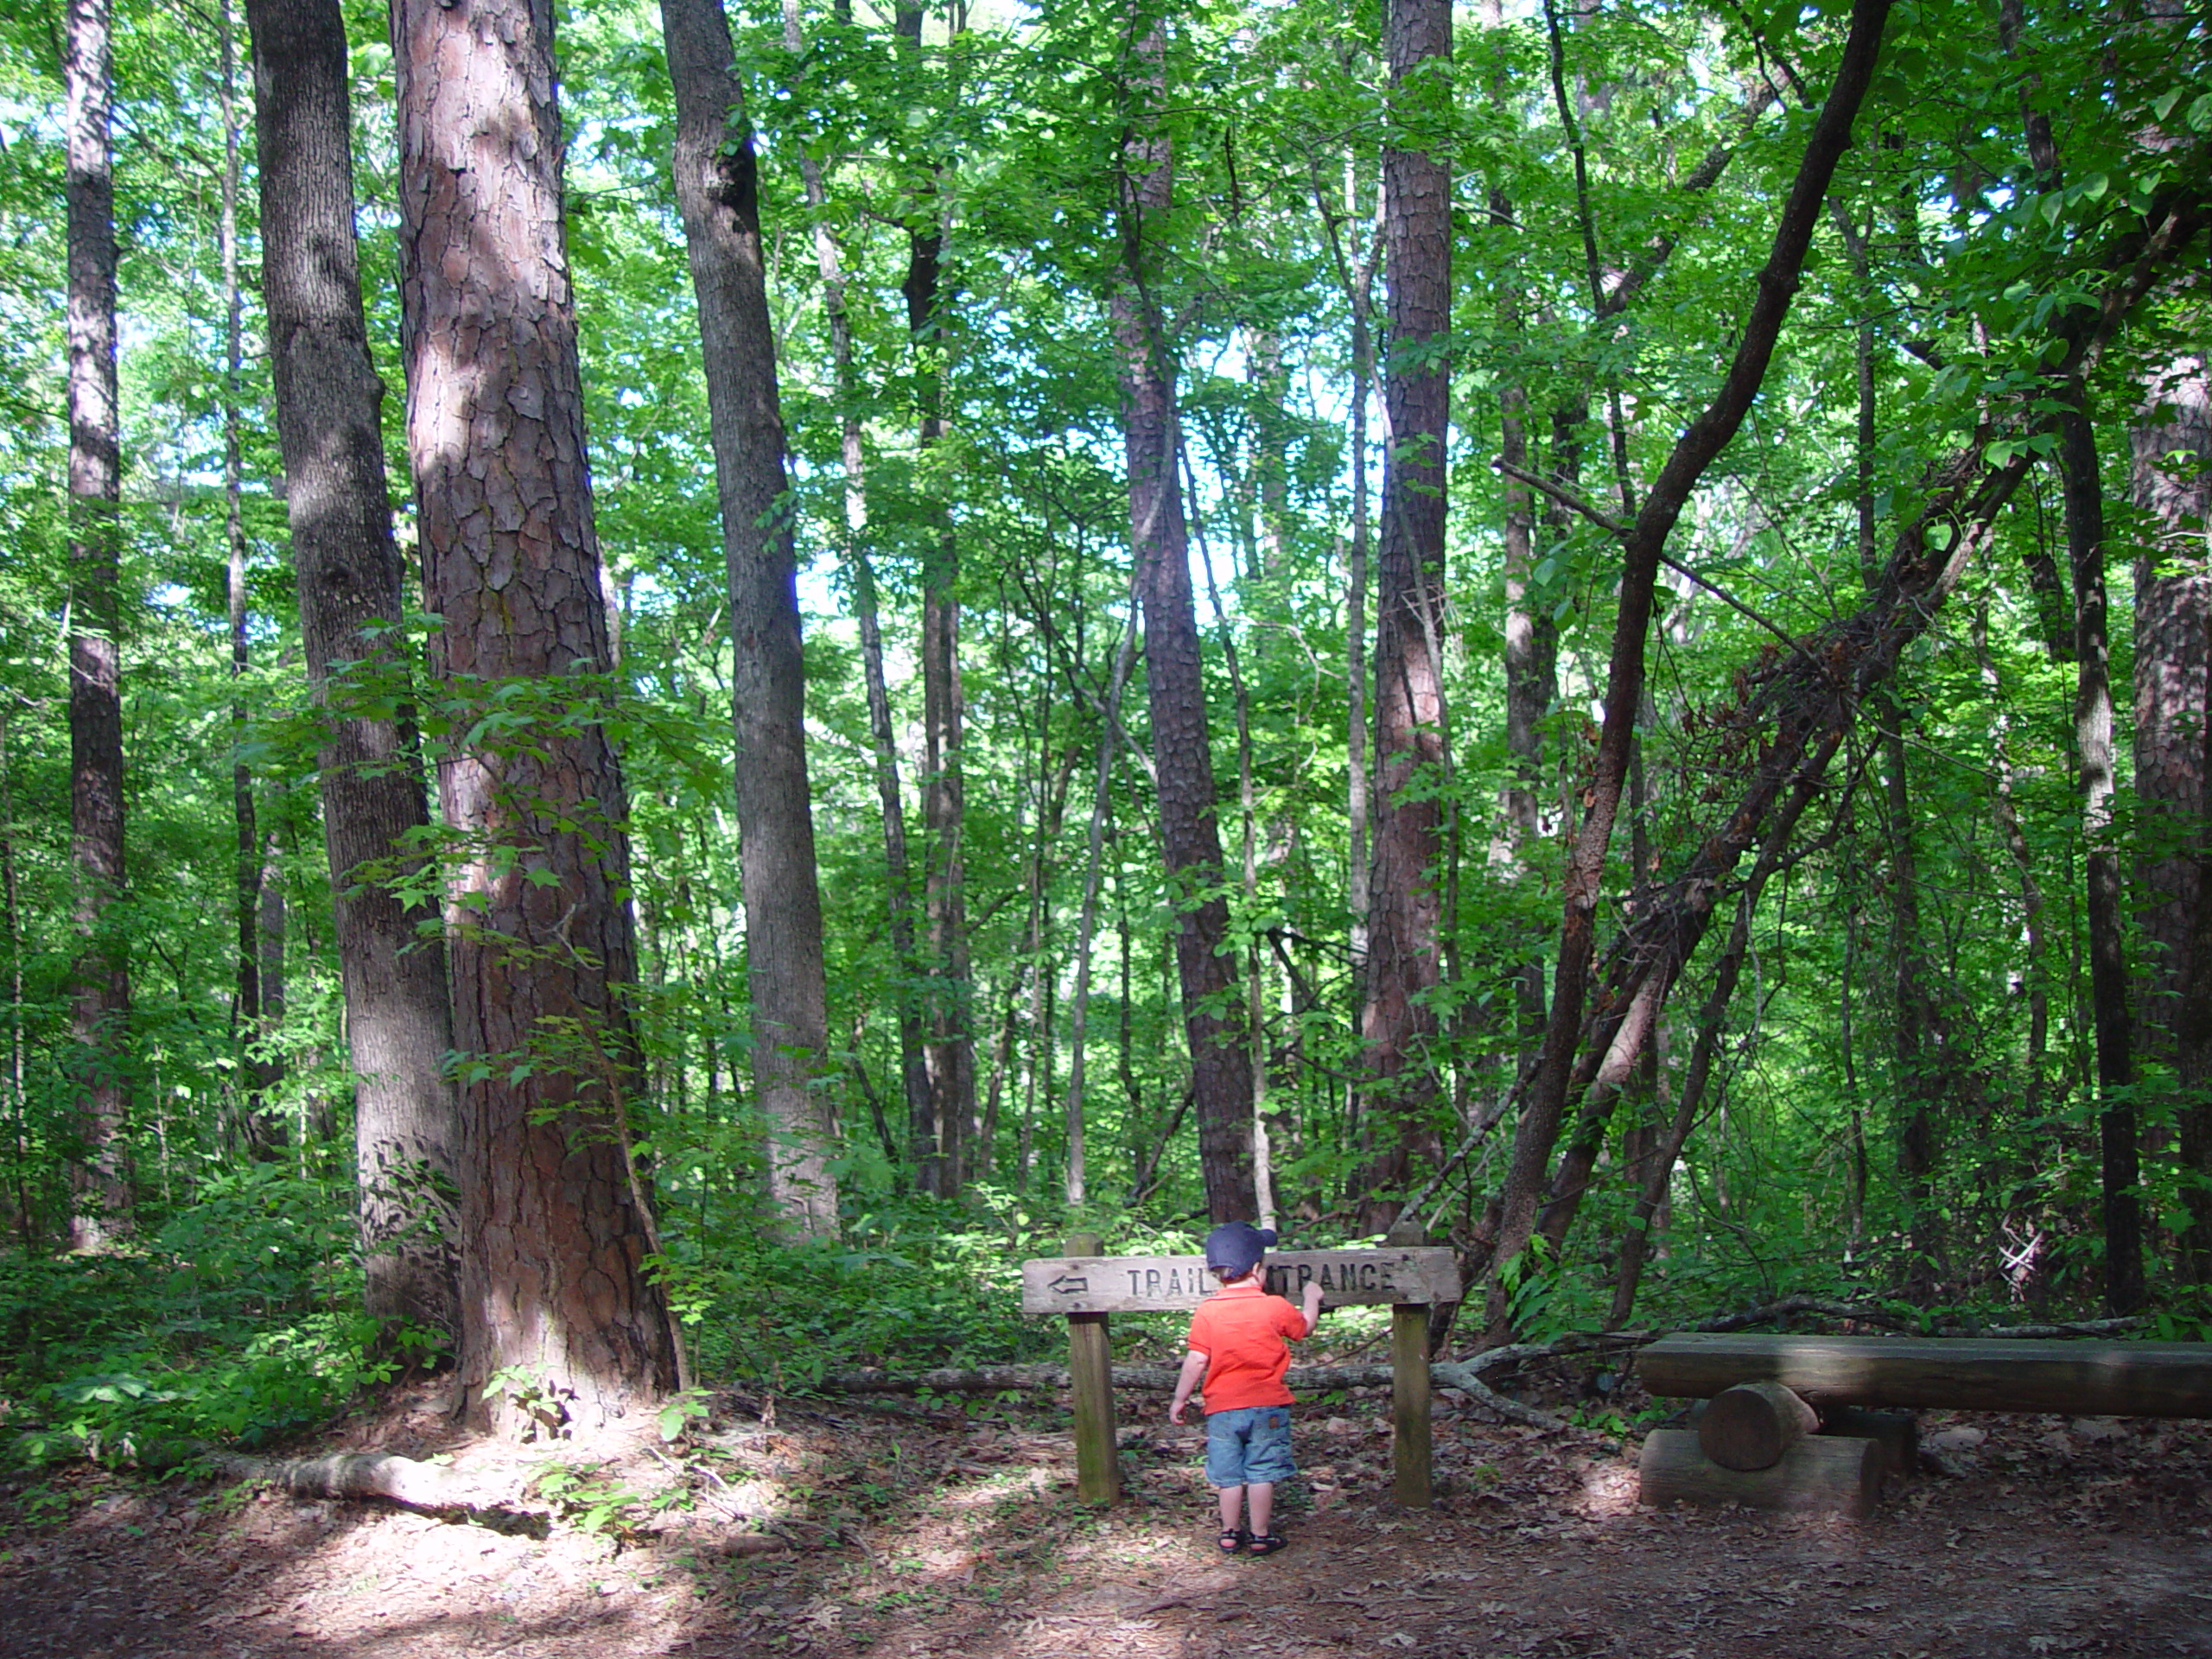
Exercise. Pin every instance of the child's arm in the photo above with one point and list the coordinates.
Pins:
(1312, 1303)
(1193, 1373)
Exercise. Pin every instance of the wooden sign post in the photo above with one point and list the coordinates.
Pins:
(1411, 1439)
(1090, 1376)
(1085, 1289)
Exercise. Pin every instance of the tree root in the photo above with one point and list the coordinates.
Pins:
(409, 1482)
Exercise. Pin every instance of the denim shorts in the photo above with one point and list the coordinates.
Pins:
(1251, 1444)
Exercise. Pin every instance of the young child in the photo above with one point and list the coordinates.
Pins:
(1237, 1350)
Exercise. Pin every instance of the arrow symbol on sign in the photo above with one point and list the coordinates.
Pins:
(1067, 1285)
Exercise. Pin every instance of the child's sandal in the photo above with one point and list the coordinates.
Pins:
(1268, 1543)
(1233, 1539)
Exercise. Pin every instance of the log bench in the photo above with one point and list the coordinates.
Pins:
(1785, 1422)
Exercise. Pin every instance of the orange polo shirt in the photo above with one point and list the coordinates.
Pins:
(1242, 1331)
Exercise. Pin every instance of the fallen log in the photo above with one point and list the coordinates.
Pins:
(995, 1379)
(1901, 1321)
(1751, 1425)
(1822, 1473)
(1465, 1376)
(2090, 1379)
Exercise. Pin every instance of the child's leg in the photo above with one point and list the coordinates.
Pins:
(1232, 1508)
(1263, 1505)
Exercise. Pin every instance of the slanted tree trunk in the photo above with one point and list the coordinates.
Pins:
(100, 982)
(392, 954)
(554, 1228)
(716, 190)
(1642, 546)
(1405, 910)
(1213, 1009)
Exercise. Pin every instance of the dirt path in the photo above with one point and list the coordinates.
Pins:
(930, 1538)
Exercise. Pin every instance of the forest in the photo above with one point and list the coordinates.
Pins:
(675, 680)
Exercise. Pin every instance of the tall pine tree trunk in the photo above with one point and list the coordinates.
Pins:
(554, 1228)
(717, 192)
(1405, 912)
(100, 988)
(391, 955)
(1190, 832)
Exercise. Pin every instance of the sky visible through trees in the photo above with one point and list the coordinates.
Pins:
(1584, 627)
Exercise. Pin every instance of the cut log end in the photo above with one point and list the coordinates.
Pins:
(1821, 1474)
(1751, 1425)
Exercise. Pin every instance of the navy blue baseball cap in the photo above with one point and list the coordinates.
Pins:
(1236, 1247)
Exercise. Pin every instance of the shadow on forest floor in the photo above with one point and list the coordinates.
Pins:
(935, 1533)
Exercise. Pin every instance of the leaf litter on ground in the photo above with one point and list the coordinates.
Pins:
(846, 1531)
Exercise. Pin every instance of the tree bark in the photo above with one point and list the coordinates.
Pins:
(558, 1316)
(950, 1051)
(1917, 1034)
(2173, 612)
(2193, 1044)
(1357, 281)
(2171, 487)
(2006, 810)
(2093, 743)
(1213, 1009)
(1075, 1185)
(100, 980)
(1646, 540)
(1398, 1024)
(717, 188)
(391, 953)
(913, 1067)
(261, 1134)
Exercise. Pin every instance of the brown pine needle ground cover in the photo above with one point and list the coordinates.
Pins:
(843, 1531)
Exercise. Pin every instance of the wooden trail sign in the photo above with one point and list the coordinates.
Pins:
(1159, 1284)
(1085, 1289)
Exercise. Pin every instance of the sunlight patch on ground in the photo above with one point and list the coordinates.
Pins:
(1609, 1490)
(995, 1488)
